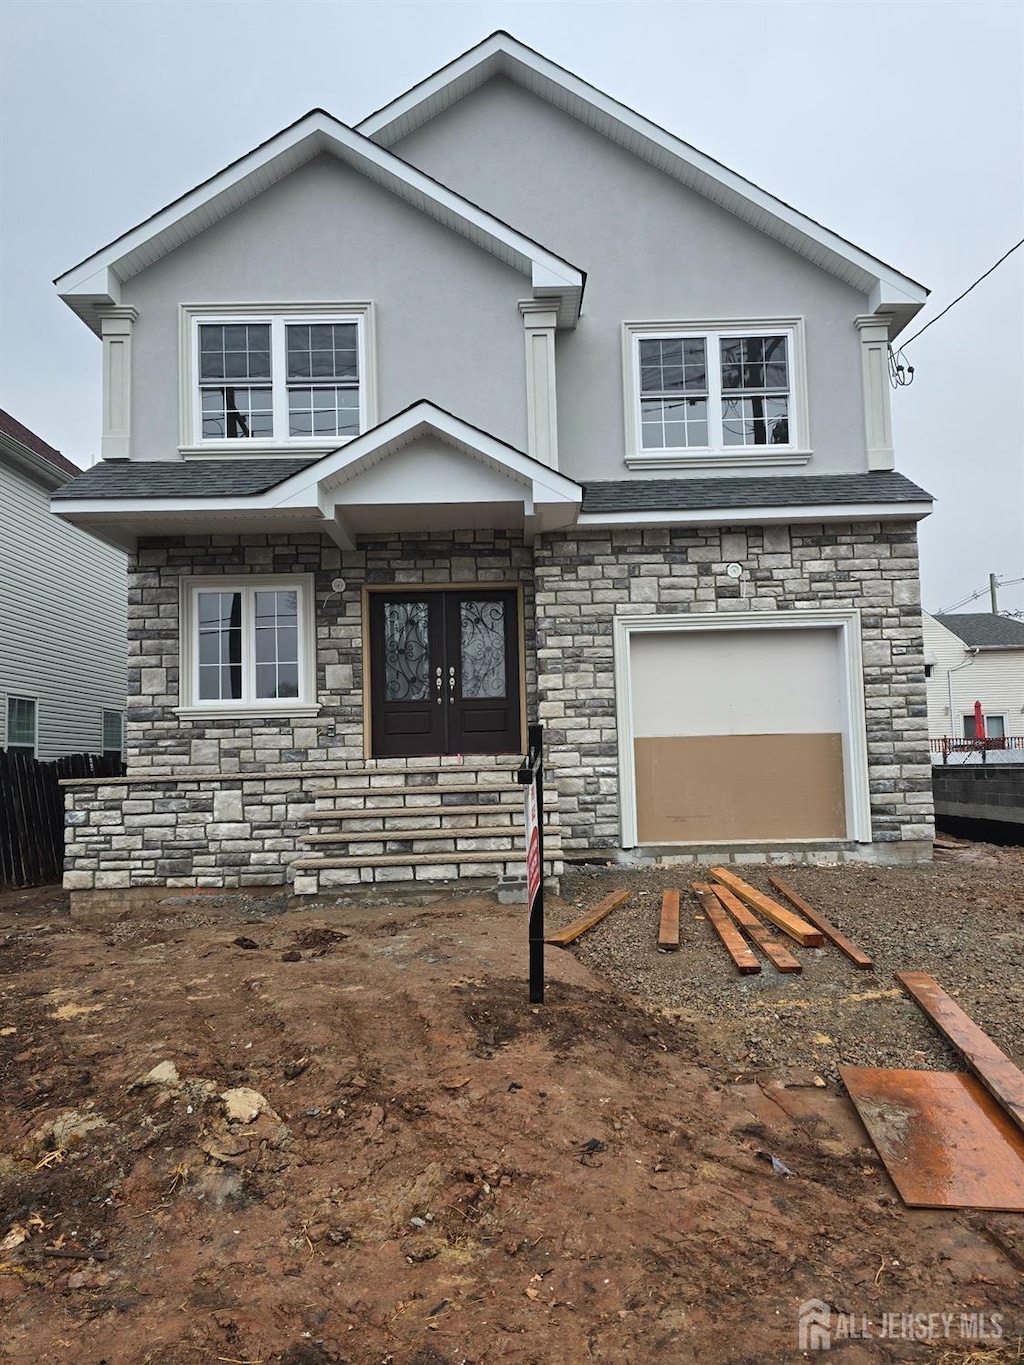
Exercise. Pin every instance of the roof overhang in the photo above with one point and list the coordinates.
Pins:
(96, 282)
(889, 292)
(802, 513)
(31, 464)
(422, 470)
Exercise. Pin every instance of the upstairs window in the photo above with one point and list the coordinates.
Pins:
(698, 394)
(268, 379)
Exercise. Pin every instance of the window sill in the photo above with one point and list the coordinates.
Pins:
(222, 450)
(716, 459)
(300, 711)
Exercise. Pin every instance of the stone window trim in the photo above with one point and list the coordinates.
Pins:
(192, 707)
(192, 316)
(716, 454)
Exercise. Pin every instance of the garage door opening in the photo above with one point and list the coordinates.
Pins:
(739, 733)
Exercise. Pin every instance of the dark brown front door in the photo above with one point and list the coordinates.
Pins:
(444, 672)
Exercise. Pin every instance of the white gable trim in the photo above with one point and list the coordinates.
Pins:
(96, 281)
(888, 290)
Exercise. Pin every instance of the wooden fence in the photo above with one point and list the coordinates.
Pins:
(32, 813)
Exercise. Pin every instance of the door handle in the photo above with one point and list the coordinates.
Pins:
(451, 686)
(438, 684)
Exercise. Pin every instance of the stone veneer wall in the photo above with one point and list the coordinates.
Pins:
(586, 576)
(157, 741)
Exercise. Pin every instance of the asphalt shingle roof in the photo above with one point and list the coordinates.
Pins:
(10, 426)
(798, 490)
(982, 630)
(182, 478)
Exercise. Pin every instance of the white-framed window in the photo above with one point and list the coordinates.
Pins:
(22, 724)
(113, 734)
(715, 393)
(248, 645)
(272, 376)
(995, 726)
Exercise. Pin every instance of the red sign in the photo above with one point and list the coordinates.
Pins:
(533, 871)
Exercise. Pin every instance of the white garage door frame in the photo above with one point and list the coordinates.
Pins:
(855, 747)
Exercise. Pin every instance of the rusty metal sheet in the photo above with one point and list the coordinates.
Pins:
(945, 1141)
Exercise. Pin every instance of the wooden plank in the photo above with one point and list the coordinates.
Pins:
(668, 929)
(780, 957)
(571, 932)
(999, 1076)
(819, 921)
(744, 960)
(787, 920)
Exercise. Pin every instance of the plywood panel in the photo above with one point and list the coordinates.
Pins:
(736, 682)
(728, 788)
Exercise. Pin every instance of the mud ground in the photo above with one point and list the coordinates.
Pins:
(443, 1173)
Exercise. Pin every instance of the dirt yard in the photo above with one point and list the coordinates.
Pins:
(440, 1174)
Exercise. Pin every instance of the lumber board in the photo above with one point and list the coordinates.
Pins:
(787, 920)
(819, 921)
(668, 929)
(743, 959)
(779, 956)
(999, 1076)
(563, 937)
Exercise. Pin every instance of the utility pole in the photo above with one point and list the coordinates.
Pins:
(993, 586)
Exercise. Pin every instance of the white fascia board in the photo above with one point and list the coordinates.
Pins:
(97, 278)
(763, 516)
(501, 53)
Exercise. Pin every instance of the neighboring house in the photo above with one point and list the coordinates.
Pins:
(63, 604)
(974, 657)
(505, 404)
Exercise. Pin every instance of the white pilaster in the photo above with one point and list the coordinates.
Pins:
(874, 355)
(539, 322)
(116, 329)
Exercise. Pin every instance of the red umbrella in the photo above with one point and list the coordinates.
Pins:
(979, 721)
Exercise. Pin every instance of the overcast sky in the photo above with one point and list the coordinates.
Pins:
(899, 125)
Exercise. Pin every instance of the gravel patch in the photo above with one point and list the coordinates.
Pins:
(961, 919)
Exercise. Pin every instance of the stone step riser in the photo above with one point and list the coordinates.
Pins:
(362, 824)
(309, 884)
(398, 847)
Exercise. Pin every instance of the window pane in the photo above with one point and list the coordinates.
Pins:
(113, 732)
(406, 651)
(673, 423)
(754, 363)
(21, 722)
(673, 364)
(237, 413)
(995, 727)
(219, 621)
(277, 644)
(234, 351)
(323, 351)
(483, 648)
(323, 412)
(755, 421)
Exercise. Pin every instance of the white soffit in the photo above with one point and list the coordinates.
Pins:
(889, 291)
(97, 280)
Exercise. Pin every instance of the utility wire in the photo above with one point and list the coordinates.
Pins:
(1016, 245)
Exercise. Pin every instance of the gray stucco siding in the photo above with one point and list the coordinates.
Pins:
(63, 621)
(447, 322)
(653, 249)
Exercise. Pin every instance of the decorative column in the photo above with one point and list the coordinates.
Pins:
(539, 320)
(116, 330)
(874, 355)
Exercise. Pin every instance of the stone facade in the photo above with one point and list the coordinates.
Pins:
(179, 830)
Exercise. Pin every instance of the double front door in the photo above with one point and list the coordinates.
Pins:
(444, 672)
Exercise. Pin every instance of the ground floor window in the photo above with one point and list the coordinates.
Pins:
(21, 724)
(995, 727)
(248, 643)
(113, 734)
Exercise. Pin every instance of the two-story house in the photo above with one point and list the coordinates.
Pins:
(63, 599)
(974, 658)
(505, 403)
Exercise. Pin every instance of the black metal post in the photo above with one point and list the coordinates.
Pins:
(531, 773)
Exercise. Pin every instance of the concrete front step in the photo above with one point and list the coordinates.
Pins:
(314, 875)
(511, 811)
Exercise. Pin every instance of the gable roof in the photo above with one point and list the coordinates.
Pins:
(32, 454)
(888, 289)
(96, 281)
(982, 630)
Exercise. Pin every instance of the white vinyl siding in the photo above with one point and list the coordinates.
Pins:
(62, 621)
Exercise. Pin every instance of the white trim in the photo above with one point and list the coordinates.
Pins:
(762, 516)
(305, 704)
(278, 315)
(855, 752)
(539, 323)
(116, 330)
(501, 54)
(712, 331)
(874, 354)
(98, 279)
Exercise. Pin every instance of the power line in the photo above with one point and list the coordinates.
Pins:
(948, 306)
